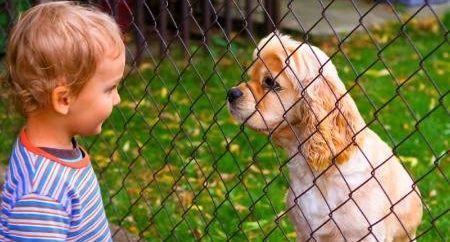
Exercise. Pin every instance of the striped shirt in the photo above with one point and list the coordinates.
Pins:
(48, 199)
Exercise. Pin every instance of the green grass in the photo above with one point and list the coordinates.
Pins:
(174, 165)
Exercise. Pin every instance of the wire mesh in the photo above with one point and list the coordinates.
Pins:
(172, 163)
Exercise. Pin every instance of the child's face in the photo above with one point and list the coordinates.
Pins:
(96, 100)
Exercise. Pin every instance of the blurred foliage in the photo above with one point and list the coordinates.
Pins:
(18, 6)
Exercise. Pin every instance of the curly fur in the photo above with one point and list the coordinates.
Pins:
(346, 184)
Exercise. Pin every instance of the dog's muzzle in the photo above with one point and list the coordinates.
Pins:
(233, 94)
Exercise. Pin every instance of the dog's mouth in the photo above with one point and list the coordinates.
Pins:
(239, 114)
(235, 110)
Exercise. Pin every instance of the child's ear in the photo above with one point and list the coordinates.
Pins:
(61, 99)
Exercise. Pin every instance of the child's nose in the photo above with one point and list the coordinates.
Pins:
(116, 99)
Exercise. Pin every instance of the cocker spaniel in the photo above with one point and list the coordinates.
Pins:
(345, 182)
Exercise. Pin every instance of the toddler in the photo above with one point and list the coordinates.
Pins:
(64, 62)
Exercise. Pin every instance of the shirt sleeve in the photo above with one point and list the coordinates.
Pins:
(37, 218)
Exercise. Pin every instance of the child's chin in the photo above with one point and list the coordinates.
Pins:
(97, 130)
(93, 132)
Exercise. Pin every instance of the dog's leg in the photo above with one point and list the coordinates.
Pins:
(298, 220)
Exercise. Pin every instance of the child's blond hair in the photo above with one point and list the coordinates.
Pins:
(57, 43)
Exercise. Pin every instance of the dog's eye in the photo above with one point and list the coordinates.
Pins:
(270, 83)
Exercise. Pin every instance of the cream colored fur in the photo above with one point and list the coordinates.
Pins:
(346, 184)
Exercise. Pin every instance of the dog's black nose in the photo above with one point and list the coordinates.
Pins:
(233, 94)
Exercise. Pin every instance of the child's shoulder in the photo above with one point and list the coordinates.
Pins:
(35, 171)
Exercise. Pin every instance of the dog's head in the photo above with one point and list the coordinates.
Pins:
(295, 95)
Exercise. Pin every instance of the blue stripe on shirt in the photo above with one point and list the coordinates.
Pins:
(28, 209)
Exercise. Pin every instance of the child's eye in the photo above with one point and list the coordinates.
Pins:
(111, 89)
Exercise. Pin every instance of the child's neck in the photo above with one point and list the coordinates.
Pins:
(44, 130)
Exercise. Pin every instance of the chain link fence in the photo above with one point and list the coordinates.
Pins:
(175, 166)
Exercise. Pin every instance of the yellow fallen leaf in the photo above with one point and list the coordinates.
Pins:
(133, 229)
(377, 73)
(101, 160)
(292, 235)
(234, 148)
(432, 193)
(197, 207)
(164, 92)
(145, 66)
(421, 87)
(432, 103)
(240, 207)
(126, 146)
(195, 132)
(409, 159)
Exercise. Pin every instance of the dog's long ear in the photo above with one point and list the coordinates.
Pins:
(328, 117)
